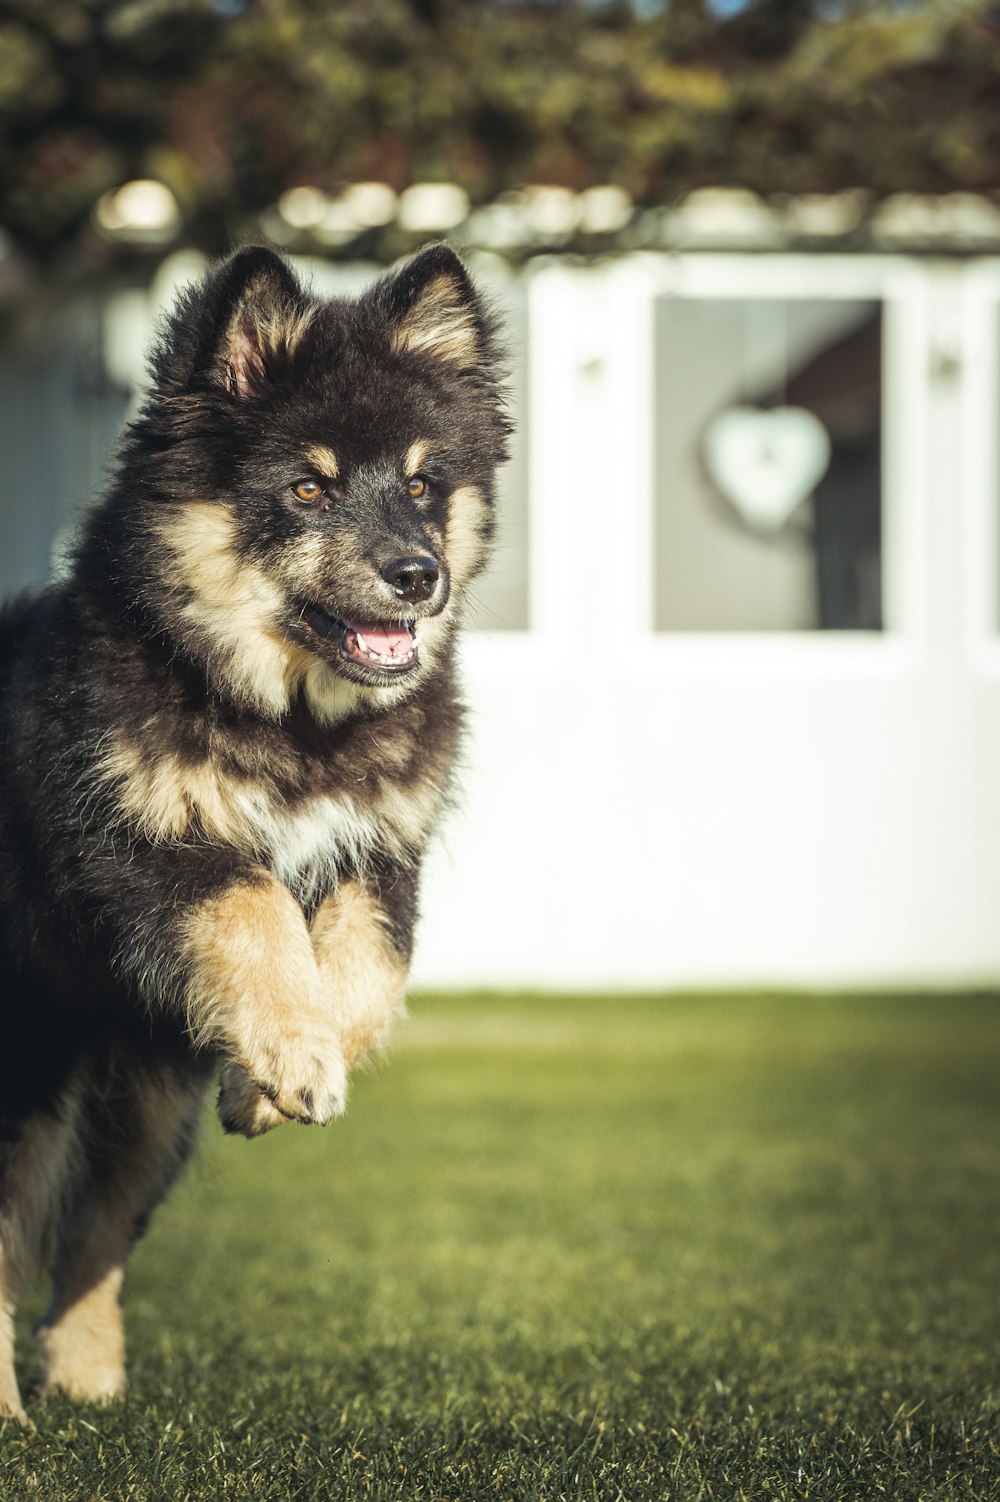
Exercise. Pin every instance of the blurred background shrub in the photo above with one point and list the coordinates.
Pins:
(231, 104)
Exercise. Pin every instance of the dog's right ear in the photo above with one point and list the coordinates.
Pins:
(239, 328)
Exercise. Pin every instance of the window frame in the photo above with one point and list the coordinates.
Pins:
(973, 343)
(632, 288)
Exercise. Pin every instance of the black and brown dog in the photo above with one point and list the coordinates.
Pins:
(226, 740)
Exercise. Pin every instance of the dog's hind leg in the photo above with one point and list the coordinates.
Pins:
(139, 1132)
(37, 1159)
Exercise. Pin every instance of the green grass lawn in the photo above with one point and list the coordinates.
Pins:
(681, 1248)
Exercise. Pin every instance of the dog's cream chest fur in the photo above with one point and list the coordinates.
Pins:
(303, 844)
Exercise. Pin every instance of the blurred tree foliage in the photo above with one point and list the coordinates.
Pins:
(230, 102)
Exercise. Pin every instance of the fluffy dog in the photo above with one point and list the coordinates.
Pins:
(226, 740)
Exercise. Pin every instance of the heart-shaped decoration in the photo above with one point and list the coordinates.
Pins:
(766, 463)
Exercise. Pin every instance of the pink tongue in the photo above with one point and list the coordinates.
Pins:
(395, 641)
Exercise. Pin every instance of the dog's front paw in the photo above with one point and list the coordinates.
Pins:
(11, 1409)
(301, 1073)
(242, 1107)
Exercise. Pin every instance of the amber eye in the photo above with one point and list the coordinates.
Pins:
(309, 491)
(417, 487)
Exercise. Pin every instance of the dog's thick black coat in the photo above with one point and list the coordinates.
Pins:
(226, 740)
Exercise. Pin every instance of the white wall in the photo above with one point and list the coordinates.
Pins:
(647, 810)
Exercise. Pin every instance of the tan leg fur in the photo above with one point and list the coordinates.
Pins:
(255, 994)
(363, 979)
(82, 1339)
(363, 974)
(84, 1351)
(35, 1170)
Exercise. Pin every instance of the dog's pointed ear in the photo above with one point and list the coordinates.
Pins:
(239, 328)
(263, 314)
(433, 309)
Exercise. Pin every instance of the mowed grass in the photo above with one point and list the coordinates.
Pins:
(607, 1248)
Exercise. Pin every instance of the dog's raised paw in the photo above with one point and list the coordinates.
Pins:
(302, 1076)
(242, 1107)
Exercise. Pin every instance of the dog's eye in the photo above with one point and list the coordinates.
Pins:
(416, 486)
(308, 491)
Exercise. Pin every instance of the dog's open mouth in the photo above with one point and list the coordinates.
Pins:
(388, 647)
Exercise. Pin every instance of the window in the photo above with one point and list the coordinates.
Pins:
(768, 464)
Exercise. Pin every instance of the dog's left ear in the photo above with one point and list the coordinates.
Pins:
(433, 309)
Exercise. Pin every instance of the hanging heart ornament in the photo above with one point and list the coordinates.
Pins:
(766, 462)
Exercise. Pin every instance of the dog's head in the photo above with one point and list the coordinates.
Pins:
(312, 482)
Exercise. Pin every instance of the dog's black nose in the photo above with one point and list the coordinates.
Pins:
(412, 578)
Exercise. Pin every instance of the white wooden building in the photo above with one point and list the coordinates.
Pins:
(678, 778)
(735, 682)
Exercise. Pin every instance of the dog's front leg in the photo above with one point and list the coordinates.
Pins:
(254, 993)
(361, 936)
